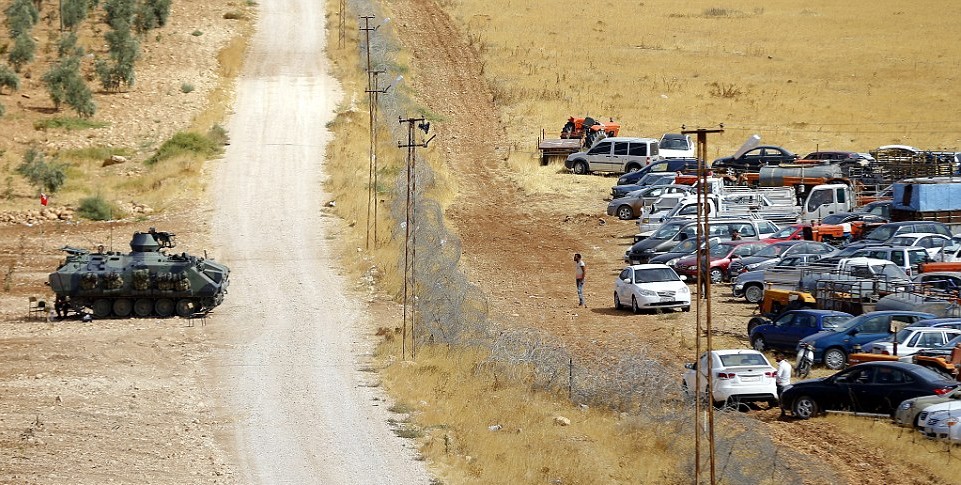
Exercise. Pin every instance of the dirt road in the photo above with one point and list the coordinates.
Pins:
(291, 376)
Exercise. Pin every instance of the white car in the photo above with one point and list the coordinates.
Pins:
(651, 286)
(676, 145)
(911, 340)
(932, 243)
(742, 375)
(942, 421)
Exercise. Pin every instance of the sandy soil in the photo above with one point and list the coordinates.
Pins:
(292, 373)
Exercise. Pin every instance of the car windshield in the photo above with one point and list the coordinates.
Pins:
(772, 251)
(834, 218)
(655, 275)
(834, 322)
(903, 335)
(686, 246)
(667, 231)
(844, 326)
(783, 233)
(881, 234)
(902, 241)
(735, 360)
(889, 271)
(721, 250)
(674, 144)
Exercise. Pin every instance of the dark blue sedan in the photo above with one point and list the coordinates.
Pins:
(872, 387)
(787, 329)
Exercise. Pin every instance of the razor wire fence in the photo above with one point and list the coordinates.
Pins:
(453, 311)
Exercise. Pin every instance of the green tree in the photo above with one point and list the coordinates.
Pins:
(21, 15)
(119, 13)
(8, 79)
(46, 176)
(124, 52)
(161, 9)
(64, 81)
(151, 14)
(74, 12)
(24, 49)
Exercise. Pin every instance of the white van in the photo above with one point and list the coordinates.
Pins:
(615, 154)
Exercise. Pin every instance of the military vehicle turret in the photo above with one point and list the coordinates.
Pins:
(145, 282)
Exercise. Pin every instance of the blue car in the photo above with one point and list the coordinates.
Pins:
(788, 328)
(833, 346)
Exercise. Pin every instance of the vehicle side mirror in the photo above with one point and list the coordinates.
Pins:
(853, 332)
(689, 365)
(683, 277)
(628, 280)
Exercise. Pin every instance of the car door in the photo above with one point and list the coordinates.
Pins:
(620, 157)
(599, 157)
(775, 336)
(857, 391)
(625, 290)
(802, 326)
(891, 387)
(872, 328)
(751, 160)
(639, 153)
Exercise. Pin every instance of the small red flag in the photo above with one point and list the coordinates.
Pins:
(43, 199)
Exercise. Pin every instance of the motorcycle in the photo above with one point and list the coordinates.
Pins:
(805, 359)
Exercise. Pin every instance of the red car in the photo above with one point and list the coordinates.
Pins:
(794, 232)
(721, 256)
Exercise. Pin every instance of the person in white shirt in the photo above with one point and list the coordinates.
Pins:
(783, 373)
(580, 272)
(846, 230)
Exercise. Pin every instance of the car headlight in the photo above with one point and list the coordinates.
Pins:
(906, 405)
(672, 262)
(952, 421)
(683, 290)
(938, 414)
(644, 292)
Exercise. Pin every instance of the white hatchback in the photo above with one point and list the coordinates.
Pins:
(740, 375)
(651, 287)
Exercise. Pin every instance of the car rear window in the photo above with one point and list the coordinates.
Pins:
(638, 149)
(734, 360)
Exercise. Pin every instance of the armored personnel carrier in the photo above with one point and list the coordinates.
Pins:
(145, 282)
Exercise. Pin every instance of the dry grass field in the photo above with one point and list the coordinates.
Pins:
(804, 75)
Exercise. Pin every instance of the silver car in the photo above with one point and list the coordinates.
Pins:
(631, 205)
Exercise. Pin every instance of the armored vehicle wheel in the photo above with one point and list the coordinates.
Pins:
(186, 307)
(165, 307)
(102, 308)
(143, 307)
(122, 307)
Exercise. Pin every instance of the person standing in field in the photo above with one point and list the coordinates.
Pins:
(580, 272)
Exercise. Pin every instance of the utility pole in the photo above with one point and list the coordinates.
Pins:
(342, 24)
(410, 235)
(373, 98)
(704, 292)
(371, 190)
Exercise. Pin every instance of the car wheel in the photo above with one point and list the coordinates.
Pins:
(633, 168)
(686, 308)
(754, 293)
(625, 212)
(835, 358)
(805, 407)
(759, 344)
(634, 306)
(716, 275)
(617, 301)
(580, 167)
(754, 323)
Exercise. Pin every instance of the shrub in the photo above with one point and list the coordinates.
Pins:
(161, 9)
(96, 208)
(8, 79)
(47, 176)
(196, 33)
(68, 124)
(234, 15)
(185, 143)
(144, 19)
(186, 88)
(2, 110)
(23, 51)
(217, 134)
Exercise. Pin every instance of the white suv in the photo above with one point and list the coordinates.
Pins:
(615, 154)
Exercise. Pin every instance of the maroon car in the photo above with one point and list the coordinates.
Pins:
(721, 256)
